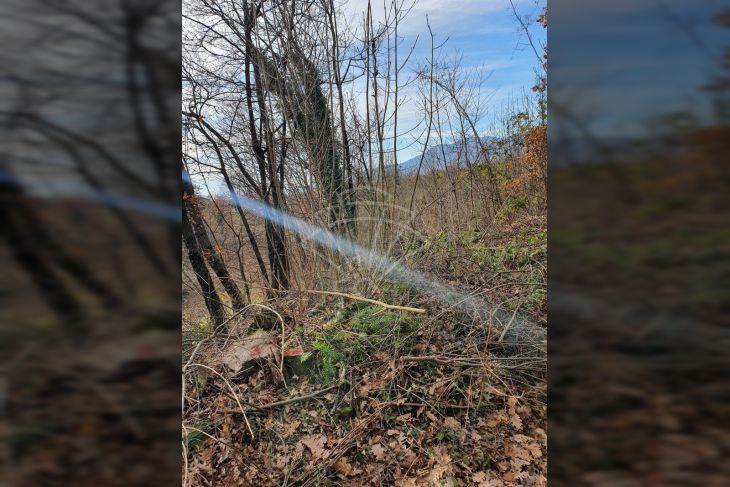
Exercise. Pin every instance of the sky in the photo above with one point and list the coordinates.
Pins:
(484, 33)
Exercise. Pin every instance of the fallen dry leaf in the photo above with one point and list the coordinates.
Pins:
(281, 461)
(529, 445)
(452, 423)
(291, 428)
(541, 435)
(437, 472)
(479, 477)
(514, 418)
(378, 451)
(293, 352)
(343, 466)
(316, 443)
(499, 417)
(483, 479)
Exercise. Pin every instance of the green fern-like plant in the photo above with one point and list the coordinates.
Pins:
(328, 359)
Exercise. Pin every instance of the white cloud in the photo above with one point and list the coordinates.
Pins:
(442, 14)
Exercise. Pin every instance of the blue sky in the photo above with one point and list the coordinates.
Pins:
(484, 33)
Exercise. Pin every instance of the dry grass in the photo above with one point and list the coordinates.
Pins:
(382, 396)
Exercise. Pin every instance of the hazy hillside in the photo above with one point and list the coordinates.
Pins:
(441, 155)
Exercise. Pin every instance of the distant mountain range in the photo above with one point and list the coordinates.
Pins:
(561, 152)
(441, 155)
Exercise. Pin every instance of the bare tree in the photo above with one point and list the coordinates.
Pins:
(210, 296)
(208, 250)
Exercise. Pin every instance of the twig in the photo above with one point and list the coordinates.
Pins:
(286, 401)
(212, 437)
(441, 360)
(514, 313)
(342, 446)
(212, 334)
(346, 295)
(185, 458)
(248, 425)
(367, 300)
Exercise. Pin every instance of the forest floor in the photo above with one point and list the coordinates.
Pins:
(364, 395)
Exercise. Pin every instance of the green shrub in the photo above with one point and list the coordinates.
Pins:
(356, 334)
(511, 207)
(197, 438)
(537, 298)
(447, 434)
(329, 358)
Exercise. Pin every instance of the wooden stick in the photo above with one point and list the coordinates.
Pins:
(441, 360)
(281, 403)
(344, 295)
(504, 332)
(365, 300)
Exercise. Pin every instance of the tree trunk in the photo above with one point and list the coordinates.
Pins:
(210, 295)
(305, 105)
(211, 254)
(276, 245)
